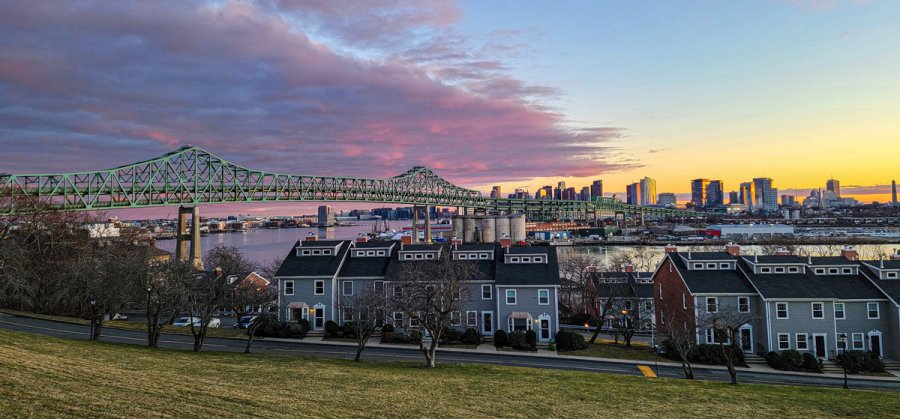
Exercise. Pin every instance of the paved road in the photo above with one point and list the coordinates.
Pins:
(74, 331)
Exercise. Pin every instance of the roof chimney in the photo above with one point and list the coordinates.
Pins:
(782, 252)
(362, 238)
(670, 248)
(505, 241)
(455, 242)
(849, 253)
(405, 240)
(311, 237)
(629, 267)
(592, 269)
(218, 272)
(733, 249)
(896, 255)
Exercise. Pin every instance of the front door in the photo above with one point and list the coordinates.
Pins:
(320, 318)
(746, 340)
(487, 322)
(875, 344)
(545, 329)
(821, 350)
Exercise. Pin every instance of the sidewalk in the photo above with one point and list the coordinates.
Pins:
(488, 349)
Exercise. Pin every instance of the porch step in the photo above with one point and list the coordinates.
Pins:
(830, 367)
(754, 359)
(890, 364)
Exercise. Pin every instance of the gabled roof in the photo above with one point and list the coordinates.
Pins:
(318, 266)
(369, 266)
(891, 287)
(712, 281)
(705, 256)
(797, 285)
(851, 287)
(395, 267)
(888, 264)
(529, 273)
(830, 261)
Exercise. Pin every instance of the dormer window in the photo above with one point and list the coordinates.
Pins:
(765, 270)
(370, 253)
(305, 252)
(514, 260)
(698, 266)
(890, 275)
(429, 256)
(820, 271)
(832, 271)
(846, 270)
(526, 259)
(419, 256)
(793, 269)
(724, 266)
(407, 256)
(484, 256)
(710, 266)
(779, 270)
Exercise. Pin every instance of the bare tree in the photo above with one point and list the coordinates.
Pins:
(627, 318)
(576, 291)
(262, 320)
(250, 295)
(430, 292)
(165, 295)
(367, 309)
(680, 331)
(726, 323)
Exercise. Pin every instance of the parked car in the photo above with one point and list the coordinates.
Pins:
(117, 316)
(186, 321)
(244, 322)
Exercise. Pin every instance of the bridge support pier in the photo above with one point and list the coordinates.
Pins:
(182, 236)
(427, 224)
(415, 224)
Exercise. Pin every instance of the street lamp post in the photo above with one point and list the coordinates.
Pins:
(93, 318)
(843, 339)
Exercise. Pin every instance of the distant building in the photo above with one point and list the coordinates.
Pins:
(596, 189)
(585, 194)
(748, 195)
(560, 188)
(666, 198)
(787, 200)
(648, 191)
(750, 231)
(834, 186)
(715, 193)
(326, 215)
(633, 194)
(766, 193)
(894, 193)
(495, 192)
(698, 192)
(734, 197)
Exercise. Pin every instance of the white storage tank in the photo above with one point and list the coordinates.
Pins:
(502, 227)
(488, 228)
(469, 229)
(517, 227)
(458, 227)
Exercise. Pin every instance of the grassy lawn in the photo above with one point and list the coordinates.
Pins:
(50, 377)
(141, 326)
(605, 348)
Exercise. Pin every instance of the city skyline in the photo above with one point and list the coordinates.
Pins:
(497, 93)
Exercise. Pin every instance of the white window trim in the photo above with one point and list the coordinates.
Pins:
(890, 275)
(787, 313)
(291, 282)
(316, 287)
(812, 309)
(862, 341)
(344, 288)
(548, 297)
(490, 292)
(739, 304)
(515, 297)
(805, 341)
(843, 311)
(715, 303)
(765, 270)
(788, 342)
(474, 318)
(820, 271)
(877, 311)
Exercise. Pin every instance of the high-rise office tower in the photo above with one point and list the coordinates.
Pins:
(326, 215)
(788, 200)
(834, 186)
(569, 194)
(698, 192)
(648, 191)
(766, 193)
(734, 197)
(596, 189)
(715, 193)
(585, 194)
(748, 195)
(495, 192)
(560, 188)
(633, 193)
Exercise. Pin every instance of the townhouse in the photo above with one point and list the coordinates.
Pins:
(801, 303)
(517, 288)
(626, 290)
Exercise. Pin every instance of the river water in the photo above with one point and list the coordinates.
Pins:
(264, 245)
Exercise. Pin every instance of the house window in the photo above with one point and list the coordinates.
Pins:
(712, 304)
(419, 256)
(648, 306)
(370, 253)
(348, 288)
(765, 270)
(514, 260)
(858, 343)
(784, 341)
(793, 269)
(846, 270)
(710, 266)
(511, 297)
(744, 304)
(832, 271)
(305, 252)
(661, 293)
(455, 318)
(698, 266)
(890, 274)
(801, 342)
(724, 266)
(872, 309)
(378, 286)
(526, 259)
(398, 291)
(628, 305)
(839, 311)
(348, 314)
(781, 310)
(779, 270)
(538, 259)
(319, 287)
(819, 271)
(381, 253)
(818, 310)
(407, 256)
(471, 318)
(398, 319)
(710, 336)
(288, 287)
(486, 293)
(326, 252)
(544, 297)
(316, 252)
(840, 345)
(484, 256)
(429, 256)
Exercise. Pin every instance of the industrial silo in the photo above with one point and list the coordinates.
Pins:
(458, 227)
(469, 229)
(517, 227)
(502, 223)
(488, 228)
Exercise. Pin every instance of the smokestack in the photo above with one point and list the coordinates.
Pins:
(894, 193)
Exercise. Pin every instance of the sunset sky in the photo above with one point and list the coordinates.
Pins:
(515, 93)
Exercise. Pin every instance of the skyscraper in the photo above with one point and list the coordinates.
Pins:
(560, 188)
(698, 192)
(894, 193)
(585, 193)
(326, 215)
(748, 195)
(569, 194)
(495, 192)
(734, 197)
(715, 193)
(548, 192)
(834, 186)
(633, 194)
(596, 189)
(648, 191)
(766, 193)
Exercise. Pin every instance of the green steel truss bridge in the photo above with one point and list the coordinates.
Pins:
(191, 176)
